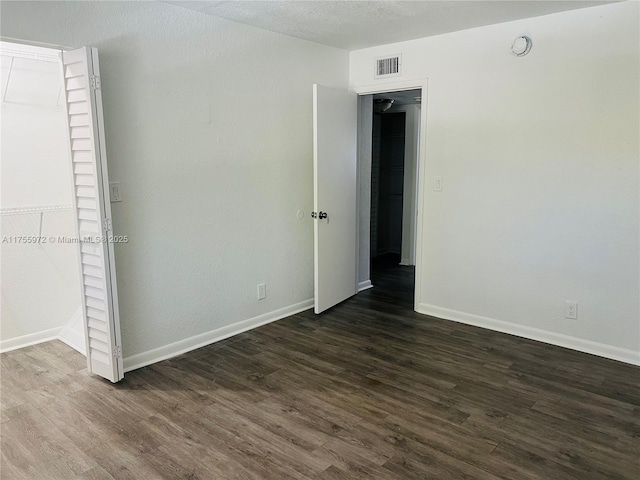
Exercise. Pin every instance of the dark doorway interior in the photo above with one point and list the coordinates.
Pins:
(394, 283)
(387, 183)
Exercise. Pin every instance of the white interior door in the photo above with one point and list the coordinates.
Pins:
(83, 101)
(334, 176)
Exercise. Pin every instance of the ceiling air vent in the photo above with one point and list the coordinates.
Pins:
(388, 66)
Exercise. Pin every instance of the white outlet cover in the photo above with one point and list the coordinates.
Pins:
(262, 291)
(571, 310)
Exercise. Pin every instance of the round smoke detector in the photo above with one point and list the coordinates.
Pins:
(521, 46)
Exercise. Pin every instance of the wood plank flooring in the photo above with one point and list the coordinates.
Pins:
(369, 389)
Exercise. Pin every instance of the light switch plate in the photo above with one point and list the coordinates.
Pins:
(114, 192)
(437, 184)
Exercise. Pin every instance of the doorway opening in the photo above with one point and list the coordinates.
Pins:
(40, 274)
(77, 128)
(391, 185)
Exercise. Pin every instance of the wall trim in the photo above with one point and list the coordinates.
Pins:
(70, 334)
(366, 285)
(143, 359)
(73, 333)
(586, 346)
(28, 340)
(384, 87)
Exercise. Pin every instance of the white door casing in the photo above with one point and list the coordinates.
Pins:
(421, 167)
(335, 180)
(83, 103)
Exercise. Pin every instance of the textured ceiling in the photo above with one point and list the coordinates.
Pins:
(351, 25)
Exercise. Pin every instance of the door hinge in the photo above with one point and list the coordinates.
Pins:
(117, 351)
(106, 224)
(95, 82)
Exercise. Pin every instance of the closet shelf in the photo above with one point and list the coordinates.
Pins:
(33, 209)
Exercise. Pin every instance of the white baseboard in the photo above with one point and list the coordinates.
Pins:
(364, 285)
(197, 341)
(587, 346)
(73, 333)
(28, 340)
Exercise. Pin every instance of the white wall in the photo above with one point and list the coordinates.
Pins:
(411, 144)
(208, 129)
(540, 158)
(40, 286)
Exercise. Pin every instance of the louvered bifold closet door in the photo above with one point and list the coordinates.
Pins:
(93, 212)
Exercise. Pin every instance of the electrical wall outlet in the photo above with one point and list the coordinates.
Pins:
(571, 310)
(262, 291)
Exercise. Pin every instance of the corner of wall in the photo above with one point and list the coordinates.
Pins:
(73, 333)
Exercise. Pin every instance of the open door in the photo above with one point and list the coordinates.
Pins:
(83, 102)
(334, 181)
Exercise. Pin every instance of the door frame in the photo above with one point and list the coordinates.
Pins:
(94, 100)
(422, 84)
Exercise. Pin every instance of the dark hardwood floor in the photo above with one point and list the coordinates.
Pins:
(369, 389)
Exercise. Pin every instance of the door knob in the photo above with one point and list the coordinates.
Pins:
(322, 215)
